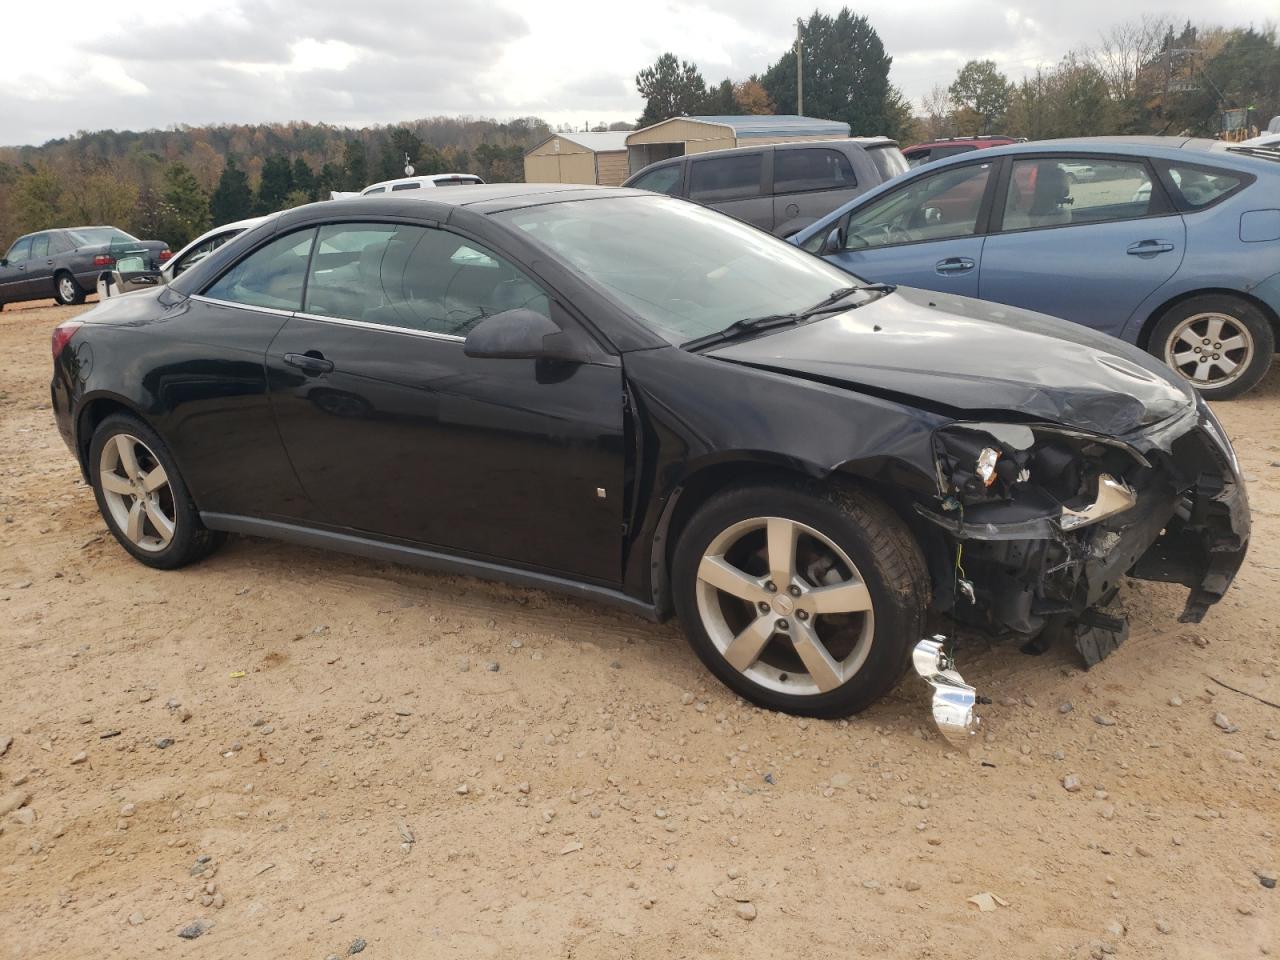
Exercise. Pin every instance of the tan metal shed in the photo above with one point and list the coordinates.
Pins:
(681, 135)
(579, 158)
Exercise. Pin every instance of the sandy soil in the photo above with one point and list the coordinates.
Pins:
(353, 771)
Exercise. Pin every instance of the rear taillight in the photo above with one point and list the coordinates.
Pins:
(102, 260)
(62, 335)
(165, 254)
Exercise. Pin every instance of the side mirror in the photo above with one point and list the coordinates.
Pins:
(524, 334)
(834, 242)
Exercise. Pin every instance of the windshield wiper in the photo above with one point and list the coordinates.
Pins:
(827, 304)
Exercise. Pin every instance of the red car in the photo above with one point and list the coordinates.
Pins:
(931, 150)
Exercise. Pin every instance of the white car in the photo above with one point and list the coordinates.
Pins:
(126, 277)
(417, 183)
(1269, 140)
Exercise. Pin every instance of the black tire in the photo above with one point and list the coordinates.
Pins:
(874, 538)
(1256, 358)
(191, 540)
(66, 290)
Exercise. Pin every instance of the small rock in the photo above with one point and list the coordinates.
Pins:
(492, 666)
(14, 800)
(1102, 720)
(1066, 707)
(746, 911)
(1222, 723)
(1175, 701)
(464, 664)
(462, 790)
(357, 946)
(25, 816)
(1071, 783)
(911, 886)
(1164, 926)
(79, 758)
(523, 788)
(195, 929)
(136, 919)
(1234, 756)
(686, 698)
(163, 743)
(1108, 811)
(128, 809)
(5, 742)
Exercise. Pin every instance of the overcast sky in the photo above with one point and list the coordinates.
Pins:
(568, 61)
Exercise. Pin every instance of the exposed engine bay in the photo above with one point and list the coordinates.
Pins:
(1040, 523)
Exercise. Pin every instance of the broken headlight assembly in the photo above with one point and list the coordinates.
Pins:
(999, 473)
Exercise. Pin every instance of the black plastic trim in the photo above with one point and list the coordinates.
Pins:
(422, 557)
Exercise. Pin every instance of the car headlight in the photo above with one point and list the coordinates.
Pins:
(1001, 473)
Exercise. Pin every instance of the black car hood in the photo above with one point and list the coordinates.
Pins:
(970, 357)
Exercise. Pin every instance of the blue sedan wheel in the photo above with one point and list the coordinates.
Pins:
(1222, 346)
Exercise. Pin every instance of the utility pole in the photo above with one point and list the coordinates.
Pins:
(799, 67)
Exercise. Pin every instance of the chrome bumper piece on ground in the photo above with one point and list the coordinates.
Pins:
(953, 699)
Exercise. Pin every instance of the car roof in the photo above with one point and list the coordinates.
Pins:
(484, 198)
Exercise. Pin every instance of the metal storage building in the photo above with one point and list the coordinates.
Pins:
(681, 135)
(579, 158)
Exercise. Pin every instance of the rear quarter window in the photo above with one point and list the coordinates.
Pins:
(726, 178)
(1195, 188)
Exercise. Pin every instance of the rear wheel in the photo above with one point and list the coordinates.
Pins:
(806, 599)
(142, 496)
(65, 289)
(1219, 344)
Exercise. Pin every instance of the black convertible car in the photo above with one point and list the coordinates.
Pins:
(631, 398)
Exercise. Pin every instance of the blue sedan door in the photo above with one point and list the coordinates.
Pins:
(1082, 238)
(927, 234)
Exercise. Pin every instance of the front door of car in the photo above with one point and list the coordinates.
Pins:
(395, 432)
(1085, 239)
(927, 233)
(13, 273)
(735, 184)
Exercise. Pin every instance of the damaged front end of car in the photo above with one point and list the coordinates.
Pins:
(1042, 522)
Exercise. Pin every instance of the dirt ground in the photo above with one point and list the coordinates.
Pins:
(355, 769)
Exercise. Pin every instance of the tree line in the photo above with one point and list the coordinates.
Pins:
(1147, 76)
(172, 185)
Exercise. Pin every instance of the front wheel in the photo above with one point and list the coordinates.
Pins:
(806, 599)
(65, 289)
(1221, 345)
(143, 497)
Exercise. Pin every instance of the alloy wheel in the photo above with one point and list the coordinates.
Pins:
(785, 606)
(137, 493)
(66, 289)
(1209, 349)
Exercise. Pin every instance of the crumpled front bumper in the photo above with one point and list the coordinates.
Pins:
(1190, 525)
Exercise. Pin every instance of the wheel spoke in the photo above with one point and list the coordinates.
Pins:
(128, 460)
(1213, 329)
(154, 480)
(1233, 343)
(817, 660)
(1224, 364)
(133, 530)
(1188, 337)
(163, 525)
(746, 647)
(849, 597)
(114, 483)
(782, 535)
(723, 575)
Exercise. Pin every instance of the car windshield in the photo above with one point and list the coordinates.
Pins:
(91, 236)
(684, 270)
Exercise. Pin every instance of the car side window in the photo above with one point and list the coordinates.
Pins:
(59, 243)
(668, 180)
(369, 193)
(414, 278)
(272, 276)
(405, 186)
(20, 252)
(40, 247)
(1198, 187)
(725, 178)
(936, 207)
(1073, 190)
(799, 169)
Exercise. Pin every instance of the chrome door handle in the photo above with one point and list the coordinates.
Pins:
(954, 265)
(1145, 248)
(308, 363)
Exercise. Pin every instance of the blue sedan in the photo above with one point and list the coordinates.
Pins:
(1167, 242)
